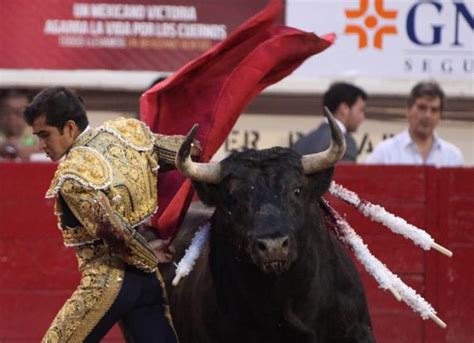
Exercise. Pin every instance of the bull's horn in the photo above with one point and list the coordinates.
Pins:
(203, 172)
(328, 158)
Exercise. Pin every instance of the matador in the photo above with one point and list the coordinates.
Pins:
(105, 189)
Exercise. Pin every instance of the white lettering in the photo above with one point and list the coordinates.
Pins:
(80, 10)
(118, 28)
(107, 42)
(174, 13)
(142, 29)
(56, 27)
(118, 11)
(96, 28)
(209, 31)
(71, 41)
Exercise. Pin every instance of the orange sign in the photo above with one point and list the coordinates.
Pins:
(371, 23)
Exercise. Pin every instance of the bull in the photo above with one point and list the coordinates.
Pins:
(270, 271)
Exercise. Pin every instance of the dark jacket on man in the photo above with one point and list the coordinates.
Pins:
(318, 140)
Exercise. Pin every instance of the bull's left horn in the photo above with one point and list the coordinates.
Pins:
(203, 172)
(328, 158)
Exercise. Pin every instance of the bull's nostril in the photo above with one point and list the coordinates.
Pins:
(261, 246)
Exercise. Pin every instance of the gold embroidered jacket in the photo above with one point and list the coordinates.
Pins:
(120, 159)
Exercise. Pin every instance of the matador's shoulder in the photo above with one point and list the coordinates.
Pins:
(131, 132)
(84, 165)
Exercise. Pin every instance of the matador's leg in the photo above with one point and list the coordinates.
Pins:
(150, 320)
(100, 284)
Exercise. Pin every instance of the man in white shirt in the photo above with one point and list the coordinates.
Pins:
(419, 144)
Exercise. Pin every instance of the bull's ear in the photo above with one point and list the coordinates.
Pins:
(207, 193)
(319, 182)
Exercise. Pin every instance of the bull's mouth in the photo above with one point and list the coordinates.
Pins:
(276, 267)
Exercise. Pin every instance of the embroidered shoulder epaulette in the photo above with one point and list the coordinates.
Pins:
(131, 132)
(86, 166)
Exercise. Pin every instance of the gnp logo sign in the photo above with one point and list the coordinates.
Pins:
(390, 38)
(433, 28)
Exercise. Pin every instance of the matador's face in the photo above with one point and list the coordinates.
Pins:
(51, 140)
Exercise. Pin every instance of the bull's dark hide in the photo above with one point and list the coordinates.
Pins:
(271, 271)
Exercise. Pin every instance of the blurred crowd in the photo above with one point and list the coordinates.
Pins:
(17, 141)
(418, 144)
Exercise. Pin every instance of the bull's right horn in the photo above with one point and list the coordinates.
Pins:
(325, 159)
(203, 172)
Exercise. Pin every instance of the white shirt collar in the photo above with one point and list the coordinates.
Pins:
(406, 140)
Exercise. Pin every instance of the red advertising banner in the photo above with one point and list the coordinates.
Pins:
(115, 35)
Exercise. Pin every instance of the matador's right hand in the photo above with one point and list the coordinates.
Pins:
(163, 251)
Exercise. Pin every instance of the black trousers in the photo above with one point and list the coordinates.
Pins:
(139, 308)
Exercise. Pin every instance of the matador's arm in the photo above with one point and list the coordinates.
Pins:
(92, 209)
(167, 148)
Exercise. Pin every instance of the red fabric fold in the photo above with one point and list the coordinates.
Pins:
(212, 91)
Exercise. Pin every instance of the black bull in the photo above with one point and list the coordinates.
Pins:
(270, 271)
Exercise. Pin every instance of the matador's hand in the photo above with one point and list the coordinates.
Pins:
(163, 251)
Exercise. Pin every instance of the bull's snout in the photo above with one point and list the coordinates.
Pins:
(273, 254)
(273, 249)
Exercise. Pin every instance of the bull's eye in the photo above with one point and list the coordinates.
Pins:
(297, 191)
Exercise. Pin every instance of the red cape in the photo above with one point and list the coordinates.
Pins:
(213, 89)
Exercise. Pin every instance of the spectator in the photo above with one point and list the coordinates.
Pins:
(347, 103)
(16, 139)
(419, 144)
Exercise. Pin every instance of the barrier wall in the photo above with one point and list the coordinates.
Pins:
(37, 273)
